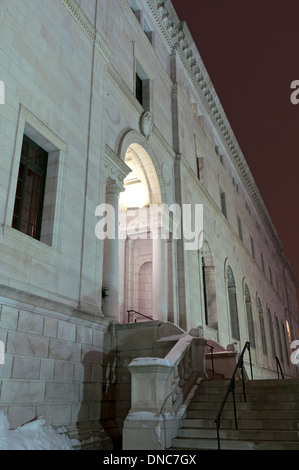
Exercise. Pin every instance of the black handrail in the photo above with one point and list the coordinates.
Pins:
(231, 388)
(279, 368)
(138, 313)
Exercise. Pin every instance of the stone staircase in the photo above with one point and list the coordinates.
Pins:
(268, 420)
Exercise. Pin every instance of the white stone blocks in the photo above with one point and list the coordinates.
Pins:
(51, 368)
(47, 369)
(25, 344)
(18, 415)
(30, 323)
(22, 391)
(26, 368)
(64, 350)
(60, 415)
(50, 327)
(57, 392)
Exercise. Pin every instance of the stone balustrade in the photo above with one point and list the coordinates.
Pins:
(161, 389)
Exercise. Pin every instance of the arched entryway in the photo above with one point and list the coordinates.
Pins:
(138, 267)
(142, 251)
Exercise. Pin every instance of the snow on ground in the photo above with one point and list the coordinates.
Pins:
(33, 436)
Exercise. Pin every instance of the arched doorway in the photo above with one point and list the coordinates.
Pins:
(143, 252)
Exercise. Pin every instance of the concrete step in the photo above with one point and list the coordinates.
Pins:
(249, 423)
(211, 444)
(256, 386)
(240, 435)
(254, 406)
(267, 420)
(250, 397)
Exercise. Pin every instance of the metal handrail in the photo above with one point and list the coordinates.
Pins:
(279, 368)
(231, 388)
(138, 313)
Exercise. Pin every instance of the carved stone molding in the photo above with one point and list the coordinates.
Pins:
(115, 169)
(146, 124)
(90, 32)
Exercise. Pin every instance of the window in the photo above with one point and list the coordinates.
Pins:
(249, 315)
(279, 339)
(262, 327)
(252, 247)
(271, 333)
(223, 202)
(285, 343)
(263, 264)
(240, 228)
(209, 286)
(200, 169)
(232, 301)
(139, 89)
(28, 207)
(142, 87)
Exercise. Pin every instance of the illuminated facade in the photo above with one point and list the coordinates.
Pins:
(108, 101)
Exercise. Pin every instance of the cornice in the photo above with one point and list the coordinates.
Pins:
(179, 39)
(92, 34)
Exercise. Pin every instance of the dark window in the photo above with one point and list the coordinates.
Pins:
(223, 203)
(232, 301)
(27, 215)
(240, 228)
(139, 89)
(262, 260)
(252, 247)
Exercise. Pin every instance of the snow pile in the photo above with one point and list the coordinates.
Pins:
(33, 436)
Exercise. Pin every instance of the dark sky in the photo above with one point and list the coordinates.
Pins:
(250, 49)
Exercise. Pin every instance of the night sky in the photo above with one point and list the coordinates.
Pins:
(250, 49)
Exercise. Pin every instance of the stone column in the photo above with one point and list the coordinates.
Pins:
(110, 263)
(129, 276)
(172, 286)
(159, 277)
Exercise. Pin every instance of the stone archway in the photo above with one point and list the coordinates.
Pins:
(141, 218)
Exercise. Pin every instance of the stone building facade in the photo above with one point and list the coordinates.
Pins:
(113, 97)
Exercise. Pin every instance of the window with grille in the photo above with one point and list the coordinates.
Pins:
(28, 208)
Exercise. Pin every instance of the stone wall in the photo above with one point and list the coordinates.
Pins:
(53, 369)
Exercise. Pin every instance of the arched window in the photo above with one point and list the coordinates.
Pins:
(279, 339)
(285, 343)
(262, 326)
(289, 332)
(232, 300)
(208, 286)
(271, 333)
(249, 316)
